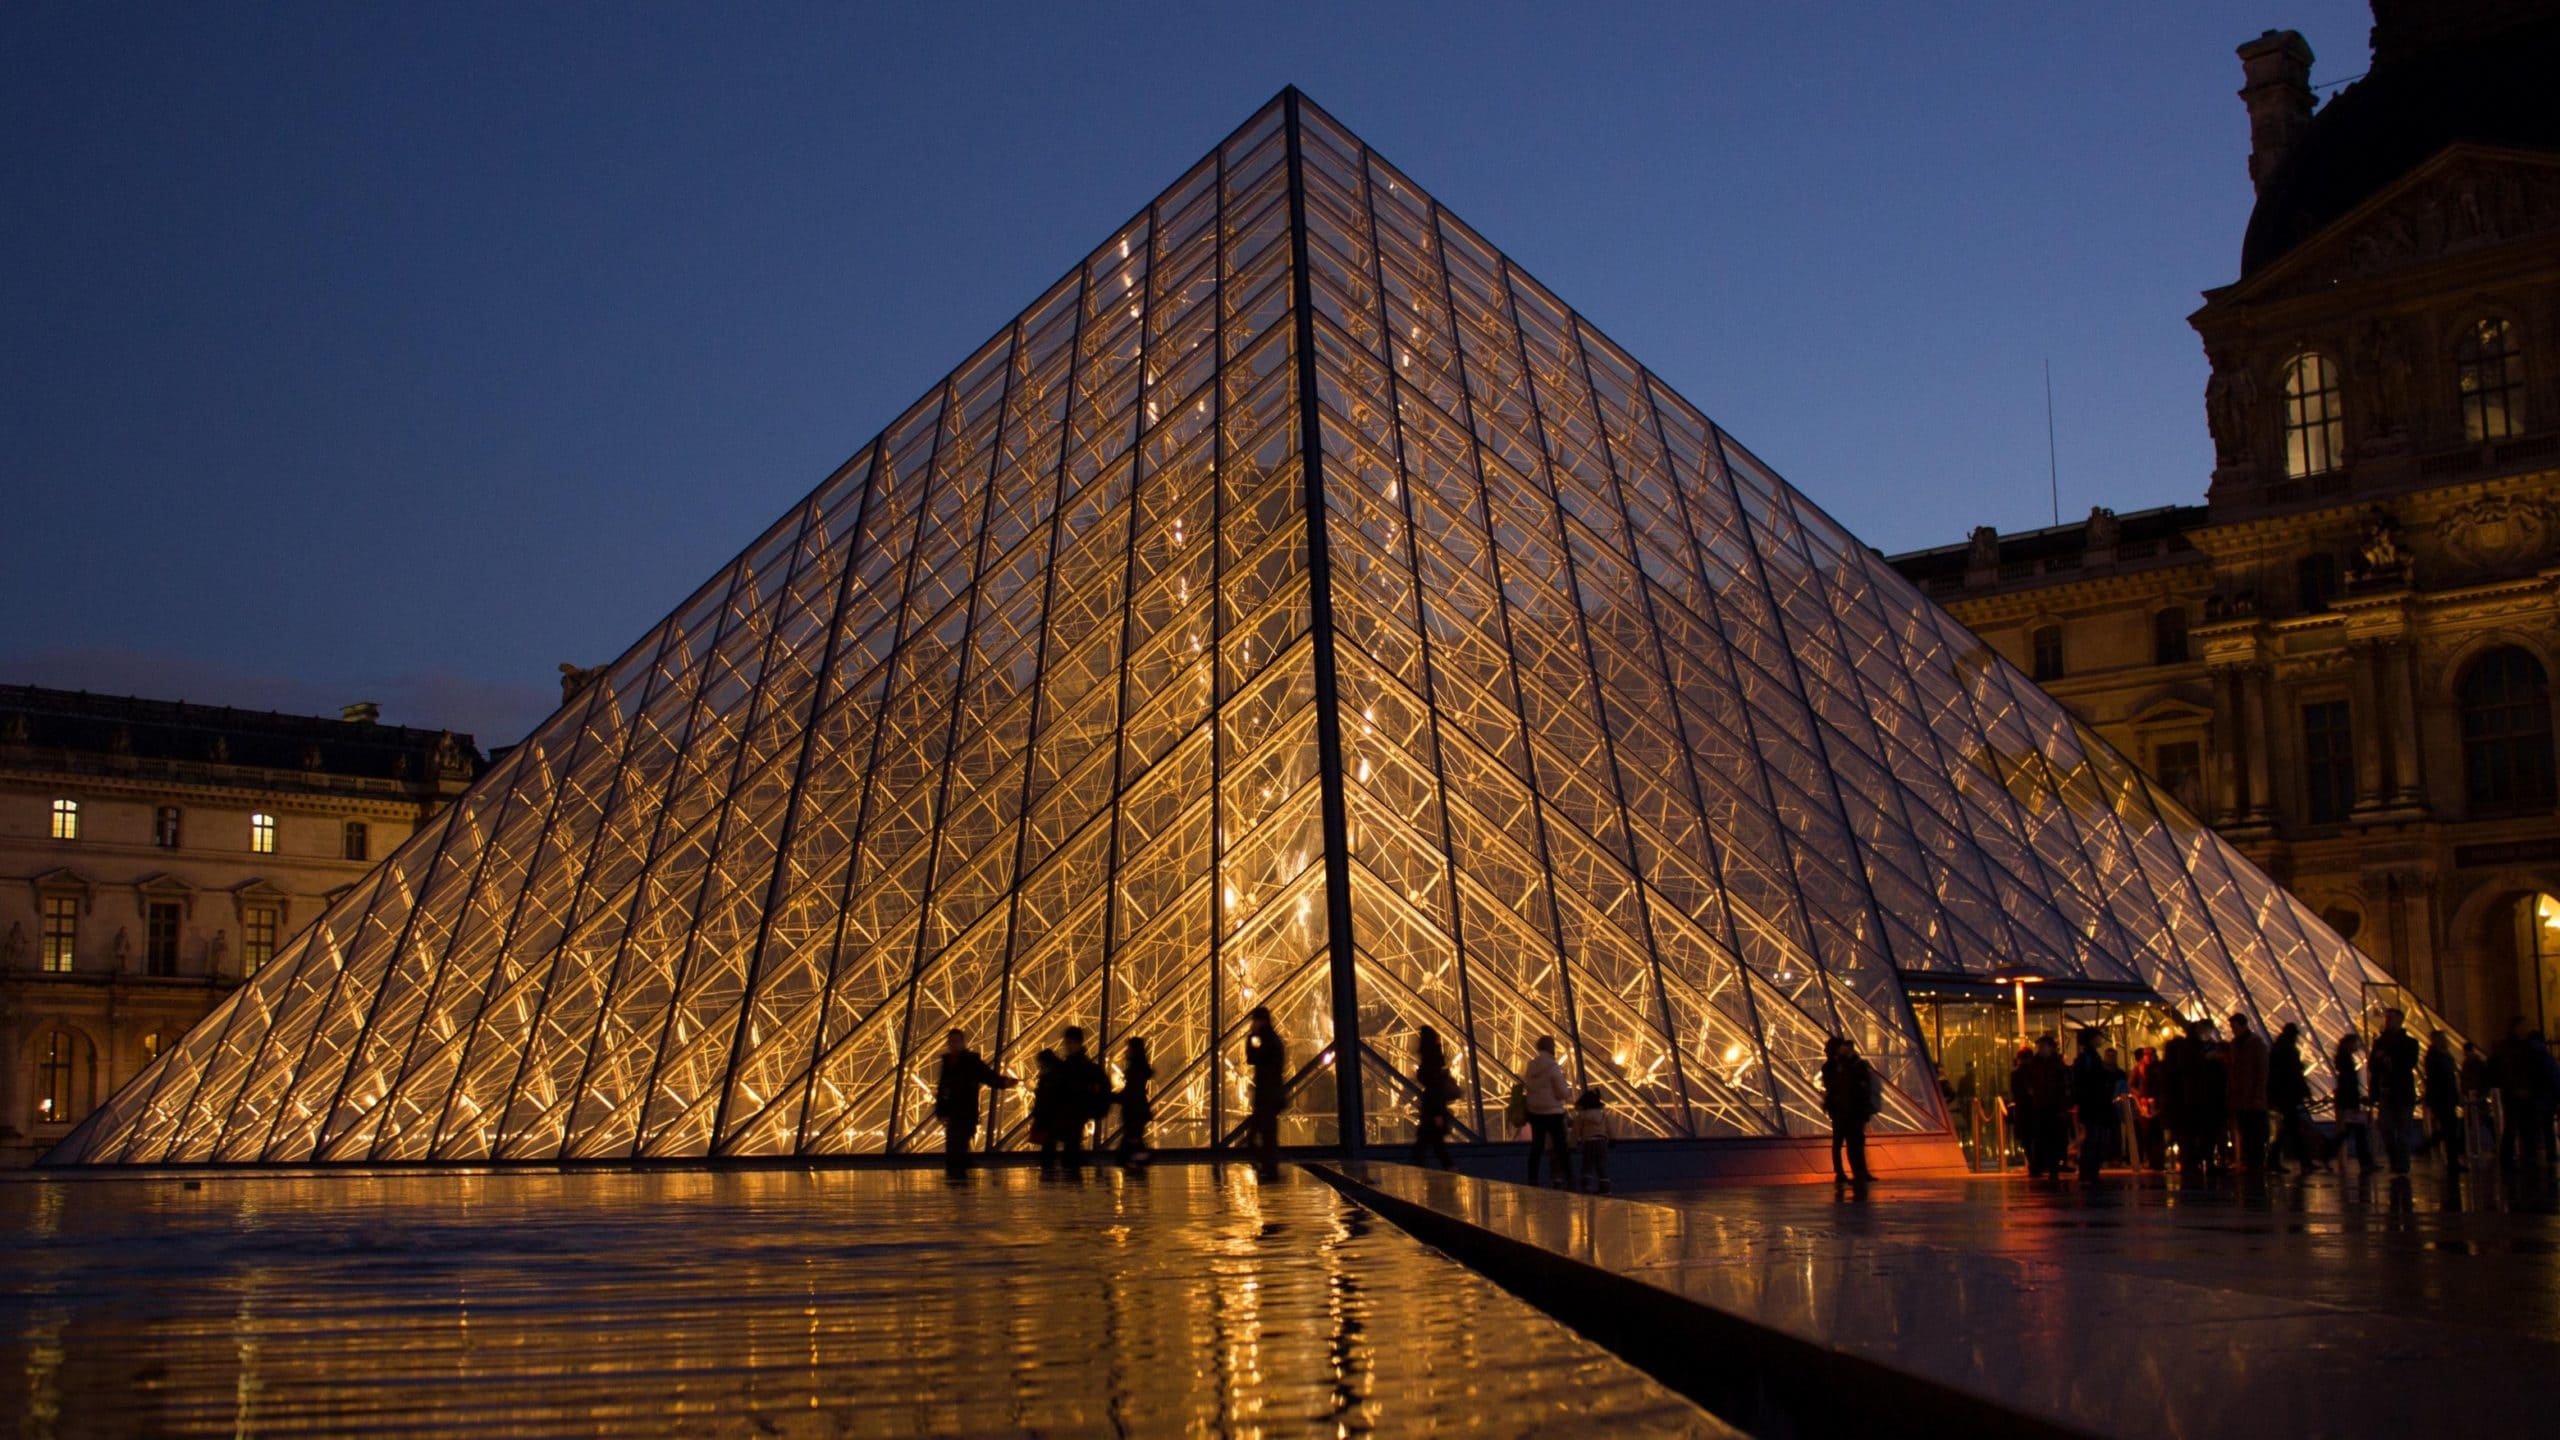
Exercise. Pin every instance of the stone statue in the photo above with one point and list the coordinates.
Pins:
(122, 948)
(1982, 552)
(2104, 529)
(2230, 403)
(2384, 554)
(574, 680)
(449, 757)
(216, 951)
(13, 947)
(2388, 371)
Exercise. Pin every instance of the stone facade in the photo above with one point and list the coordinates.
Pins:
(152, 853)
(2344, 658)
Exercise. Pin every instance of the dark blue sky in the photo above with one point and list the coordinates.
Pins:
(400, 353)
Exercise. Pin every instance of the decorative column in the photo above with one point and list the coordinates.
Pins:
(2366, 718)
(2226, 745)
(2399, 681)
(2253, 692)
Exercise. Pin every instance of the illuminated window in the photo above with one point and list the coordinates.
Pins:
(53, 1079)
(66, 819)
(2169, 636)
(164, 828)
(262, 833)
(2328, 763)
(257, 938)
(152, 1045)
(2315, 581)
(2489, 373)
(160, 929)
(2505, 700)
(358, 841)
(61, 932)
(2045, 647)
(2315, 425)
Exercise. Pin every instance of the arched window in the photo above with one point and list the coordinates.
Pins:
(2489, 374)
(2169, 636)
(2506, 732)
(2315, 424)
(55, 1072)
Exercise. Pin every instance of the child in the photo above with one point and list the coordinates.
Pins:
(1590, 1126)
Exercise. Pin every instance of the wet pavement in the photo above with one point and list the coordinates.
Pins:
(1188, 1301)
(2319, 1307)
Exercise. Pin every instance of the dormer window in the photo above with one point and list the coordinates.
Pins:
(2489, 374)
(2315, 423)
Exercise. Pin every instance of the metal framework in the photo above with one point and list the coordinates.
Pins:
(1296, 606)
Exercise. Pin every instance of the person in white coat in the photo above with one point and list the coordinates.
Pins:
(1548, 1095)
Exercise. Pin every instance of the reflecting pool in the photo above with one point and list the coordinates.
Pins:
(1189, 1300)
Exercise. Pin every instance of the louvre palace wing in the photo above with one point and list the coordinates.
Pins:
(1296, 606)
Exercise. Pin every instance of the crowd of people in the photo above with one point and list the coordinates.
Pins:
(2210, 1100)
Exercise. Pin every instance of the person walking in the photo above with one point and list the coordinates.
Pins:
(1548, 1094)
(2093, 1095)
(957, 1079)
(1136, 1106)
(2289, 1099)
(2393, 1072)
(1266, 1059)
(2443, 1075)
(2348, 1101)
(1590, 1130)
(2519, 1074)
(1435, 1090)
(1848, 1098)
(2245, 1084)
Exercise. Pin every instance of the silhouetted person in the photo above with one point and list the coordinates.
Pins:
(1590, 1130)
(956, 1083)
(1267, 1061)
(2093, 1096)
(1136, 1107)
(2443, 1076)
(2149, 1087)
(2393, 1070)
(1848, 1099)
(1435, 1090)
(2196, 1087)
(2479, 1082)
(2244, 1078)
(2289, 1100)
(1548, 1095)
(2523, 1097)
(1050, 1107)
(2042, 1088)
(2346, 1064)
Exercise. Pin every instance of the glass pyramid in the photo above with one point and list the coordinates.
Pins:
(1297, 605)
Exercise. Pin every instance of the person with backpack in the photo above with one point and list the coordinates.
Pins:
(1590, 1130)
(1848, 1100)
(1435, 1090)
(1546, 1094)
(1136, 1108)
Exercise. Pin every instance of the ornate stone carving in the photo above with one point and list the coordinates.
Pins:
(2466, 206)
(574, 680)
(2497, 533)
(2103, 530)
(2384, 375)
(2383, 555)
(2237, 603)
(1982, 551)
(2230, 406)
(450, 761)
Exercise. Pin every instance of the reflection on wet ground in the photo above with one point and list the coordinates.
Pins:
(2136, 1308)
(1189, 1300)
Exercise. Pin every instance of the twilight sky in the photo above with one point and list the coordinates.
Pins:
(402, 352)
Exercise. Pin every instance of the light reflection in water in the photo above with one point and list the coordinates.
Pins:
(840, 1302)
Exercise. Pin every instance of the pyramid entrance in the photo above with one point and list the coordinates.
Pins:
(1297, 605)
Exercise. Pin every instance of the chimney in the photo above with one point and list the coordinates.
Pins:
(2278, 66)
(363, 712)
